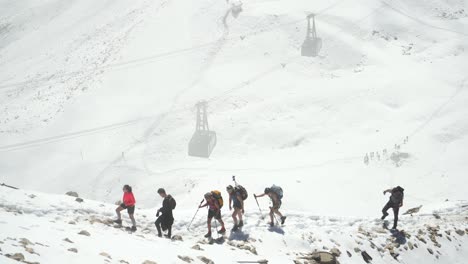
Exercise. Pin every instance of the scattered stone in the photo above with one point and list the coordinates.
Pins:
(84, 233)
(410, 245)
(68, 240)
(73, 250)
(104, 254)
(177, 238)
(149, 262)
(29, 250)
(460, 232)
(124, 261)
(16, 256)
(205, 260)
(72, 223)
(197, 247)
(25, 242)
(79, 200)
(32, 196)
(430, 251)
(335, 252)
(357, 250)
(349, 254)
(185, 259)
(72, 194)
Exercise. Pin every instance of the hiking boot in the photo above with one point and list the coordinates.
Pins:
(208, 235)
(384, 215)
(235, 228)
(394, 228)
(283, 219)
(241, 223)
(159, 235)
(118, 221)
(167, 236)
(222, 231)
(133, 229)
(272, 224)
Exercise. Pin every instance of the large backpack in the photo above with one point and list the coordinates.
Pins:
(242, 191)
(278, 190)
(217, 195)
(172, 202)
(397, 195)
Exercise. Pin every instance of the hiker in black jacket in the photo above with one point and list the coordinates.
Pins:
(166, 219)
(395, 202)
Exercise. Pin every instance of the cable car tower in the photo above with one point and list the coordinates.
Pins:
(312, 44)
(203, 140)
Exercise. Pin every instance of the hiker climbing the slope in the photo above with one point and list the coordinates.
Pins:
(395, 202)
(164, 214)
(214, 202)
(276, 194)
(236, 201)
(128, 202)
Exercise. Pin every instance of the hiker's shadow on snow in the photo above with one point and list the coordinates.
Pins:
(400, 237)
(241, 236)
(276, 229)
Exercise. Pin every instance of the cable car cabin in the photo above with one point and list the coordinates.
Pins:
(312, 44)
(202, 143)
(311, 47)
(203, 140)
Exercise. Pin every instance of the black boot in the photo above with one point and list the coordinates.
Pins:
(235, 228)
(283, 218)
(208, 235)
(118, 221)
(384, 215)
(133, 229)
(241, 223)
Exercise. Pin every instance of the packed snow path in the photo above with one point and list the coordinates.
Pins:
(56, 229)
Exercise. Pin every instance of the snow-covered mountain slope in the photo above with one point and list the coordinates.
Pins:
(97, 95)
(45, 229)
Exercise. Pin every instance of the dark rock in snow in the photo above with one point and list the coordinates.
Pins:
(74, 250)
(72, 194)
(84, 233)
(205, 260)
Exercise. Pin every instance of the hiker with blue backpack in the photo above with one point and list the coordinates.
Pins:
(276, 194)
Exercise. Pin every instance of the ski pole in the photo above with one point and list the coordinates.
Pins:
(188, 227)
(261, 213)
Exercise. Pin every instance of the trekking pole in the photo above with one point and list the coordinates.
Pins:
(9, 186)
(261, 213)
(188, 227)
(234, 180)
(216, 227)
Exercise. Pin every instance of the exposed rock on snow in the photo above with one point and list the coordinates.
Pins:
(205, 260)
(72, 194)
(185, 258)
(84, 233)
(74, 250)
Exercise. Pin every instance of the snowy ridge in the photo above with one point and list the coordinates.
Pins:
(51, 225)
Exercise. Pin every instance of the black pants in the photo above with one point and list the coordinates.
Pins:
(163, 220)
(396, 209)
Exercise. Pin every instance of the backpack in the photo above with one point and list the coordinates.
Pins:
(278, 190)
(217, 195)
(397, 195)
(242, 191)
(172, 202)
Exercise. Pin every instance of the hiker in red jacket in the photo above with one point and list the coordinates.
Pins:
(129, 204)
(214, 210)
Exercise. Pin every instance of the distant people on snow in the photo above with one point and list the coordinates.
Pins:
(165, 218)
(395, 202)
(128, 202)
